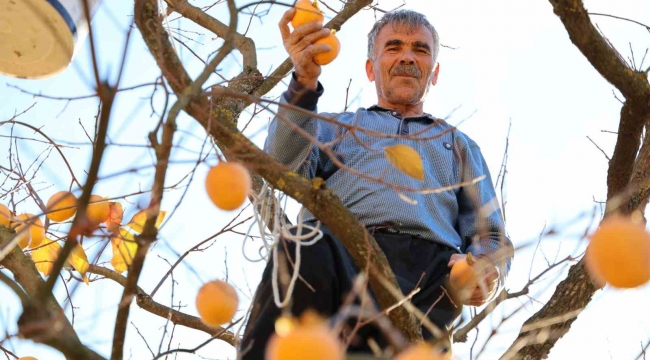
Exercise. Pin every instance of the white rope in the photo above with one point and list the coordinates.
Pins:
(262, 205)
(296, 267)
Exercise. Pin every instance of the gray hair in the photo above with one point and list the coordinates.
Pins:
(411, 19)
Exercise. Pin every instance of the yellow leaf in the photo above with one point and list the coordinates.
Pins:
(124, 248)
(126, 235)
(117, 260)
(405, 159)
(79, 261)
(115, 218)
(45, 255)
(138, 220)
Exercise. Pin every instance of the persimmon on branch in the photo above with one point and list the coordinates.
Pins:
(628, 185)
(163, 152)
(319, 200)
(147, 303)
(51, 315)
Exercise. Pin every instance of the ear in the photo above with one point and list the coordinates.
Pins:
(434, 79)
(369, 72)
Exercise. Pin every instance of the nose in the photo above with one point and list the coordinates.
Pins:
(407, 58)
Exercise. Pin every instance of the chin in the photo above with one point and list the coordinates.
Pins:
(406, 98)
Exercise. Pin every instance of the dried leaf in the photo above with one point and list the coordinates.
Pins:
(44, 256)
(124, 248)
(115, 218)
(138, 220)
(405, 159)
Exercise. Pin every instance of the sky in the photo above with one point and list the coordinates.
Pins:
(504, 64)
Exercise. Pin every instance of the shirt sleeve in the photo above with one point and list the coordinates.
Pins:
(480, 222)
(286, 141)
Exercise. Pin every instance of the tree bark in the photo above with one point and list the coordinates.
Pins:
(627, 177)
(43, 322)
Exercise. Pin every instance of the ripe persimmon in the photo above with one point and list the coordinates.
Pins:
(309, 338)
(5, 215)
(306, 12)
(20, 226)
(423, 351)
(463, 274)
(36, 233)
(217, 303)
(27, 358)
(325, 58)
(64, 200)
(98, 209)
(228, 185)
(619, 253)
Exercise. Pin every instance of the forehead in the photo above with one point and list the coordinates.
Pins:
(405, 33)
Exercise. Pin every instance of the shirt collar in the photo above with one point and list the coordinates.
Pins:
(425, 117)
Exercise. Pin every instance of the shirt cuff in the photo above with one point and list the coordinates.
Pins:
(301, 96)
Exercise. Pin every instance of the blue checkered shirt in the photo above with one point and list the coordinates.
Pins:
(449, 217)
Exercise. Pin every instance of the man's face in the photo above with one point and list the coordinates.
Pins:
(403, 64)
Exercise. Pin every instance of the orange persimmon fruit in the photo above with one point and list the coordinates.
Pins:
(619, 253)
(36, 233)
(308, 338)
(463, 274)
(65, 201)
(228, 185)
(98, 209)
(217, 303)
(423, 351)
(325, 58)
(5, 215)
(306, 12)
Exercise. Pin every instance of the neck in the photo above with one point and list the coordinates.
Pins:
(407, 110)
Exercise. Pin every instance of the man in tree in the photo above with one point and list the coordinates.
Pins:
(422, 237)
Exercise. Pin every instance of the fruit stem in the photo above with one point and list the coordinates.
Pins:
(470, 259)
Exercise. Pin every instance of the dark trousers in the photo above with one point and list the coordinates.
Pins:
(330, 270)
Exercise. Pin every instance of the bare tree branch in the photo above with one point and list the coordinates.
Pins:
(245, 45)
(576, 291)
(321, 202)
(147, 303)
(42, 321)
(163, 152)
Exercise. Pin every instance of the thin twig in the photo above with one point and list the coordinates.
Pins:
(601, 150)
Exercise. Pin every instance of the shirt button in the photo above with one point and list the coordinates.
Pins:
(447, 146)
(394, 113)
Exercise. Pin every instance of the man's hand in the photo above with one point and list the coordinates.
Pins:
(300, 46)
(487, 276)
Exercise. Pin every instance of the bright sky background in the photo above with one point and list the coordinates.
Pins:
(513, 63)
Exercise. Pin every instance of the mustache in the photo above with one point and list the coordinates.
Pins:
(406, 70)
